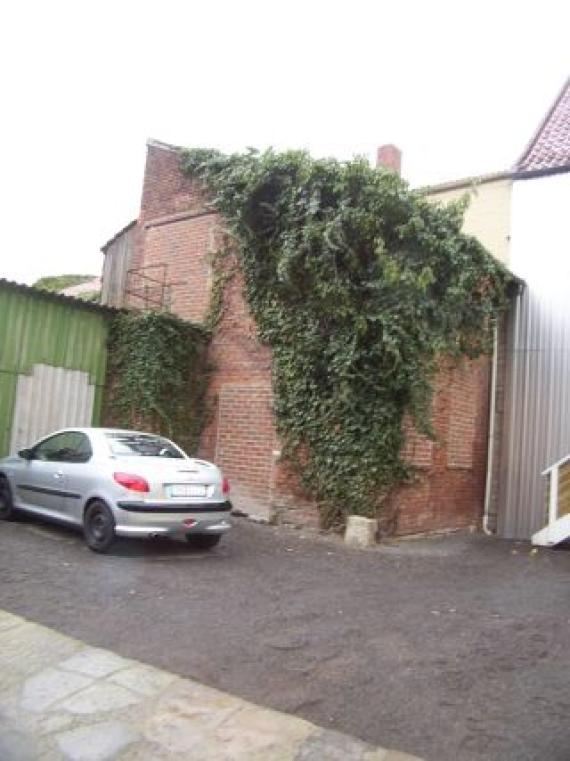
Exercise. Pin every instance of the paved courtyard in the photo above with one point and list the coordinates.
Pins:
(452, 649)
(63, 701)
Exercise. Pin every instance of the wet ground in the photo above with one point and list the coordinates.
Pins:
(455, 648)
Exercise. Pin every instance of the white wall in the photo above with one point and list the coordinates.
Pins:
(540, 235)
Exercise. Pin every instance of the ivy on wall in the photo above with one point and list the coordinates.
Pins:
(223, 271)
(157, 375)
(358, 285)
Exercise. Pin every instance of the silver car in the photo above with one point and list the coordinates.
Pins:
(117, 483)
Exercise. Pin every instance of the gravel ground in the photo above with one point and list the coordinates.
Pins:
(455, 648)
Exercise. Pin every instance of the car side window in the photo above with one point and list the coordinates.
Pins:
(70, 446)
(51, 449)
(81, 450)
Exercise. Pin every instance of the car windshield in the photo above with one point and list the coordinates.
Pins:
(141, 445)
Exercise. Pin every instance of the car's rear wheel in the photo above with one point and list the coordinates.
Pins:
(203, 541)
(6, 503)
(98, 526)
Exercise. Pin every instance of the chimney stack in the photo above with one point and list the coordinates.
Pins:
(389, 157)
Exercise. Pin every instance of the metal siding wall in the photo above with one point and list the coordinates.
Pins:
(7, 399)
(537, 432)
(37, 330)
(115, 269)
(537, 405)
(49, 399)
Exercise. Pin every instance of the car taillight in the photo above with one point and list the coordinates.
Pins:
(132, 482)
(225, 486)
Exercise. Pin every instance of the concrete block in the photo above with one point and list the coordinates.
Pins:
(94, 662)
(143, 680)
(100, 698)
(49, 686)
(361, 532)
(28, 650)
(97, 742)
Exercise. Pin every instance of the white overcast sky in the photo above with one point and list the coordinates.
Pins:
(459, 86)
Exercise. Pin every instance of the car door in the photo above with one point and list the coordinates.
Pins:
(40, 482)
(78, 474)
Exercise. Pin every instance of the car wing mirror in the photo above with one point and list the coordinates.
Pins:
(26, 454)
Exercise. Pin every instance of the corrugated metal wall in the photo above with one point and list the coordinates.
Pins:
(38, 329)
(118, 254)
(48, 399)
(536, 430)
(537, 424)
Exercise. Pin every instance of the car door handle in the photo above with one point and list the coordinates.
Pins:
(58, 474)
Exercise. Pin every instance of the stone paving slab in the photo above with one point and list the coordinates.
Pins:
(61, 700)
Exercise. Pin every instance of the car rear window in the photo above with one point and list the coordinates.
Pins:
(141, 445)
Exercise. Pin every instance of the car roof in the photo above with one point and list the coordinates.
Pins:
(96, 430)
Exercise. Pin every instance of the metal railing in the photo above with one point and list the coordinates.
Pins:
(558, 490)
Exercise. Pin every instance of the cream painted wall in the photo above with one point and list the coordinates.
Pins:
(488, 216)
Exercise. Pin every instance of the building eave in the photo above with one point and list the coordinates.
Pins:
(152, 143)
(125, 229)
(30, 290)
(531, 173)
(466, 182)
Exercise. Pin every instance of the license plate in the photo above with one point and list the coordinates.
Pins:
(186, 490)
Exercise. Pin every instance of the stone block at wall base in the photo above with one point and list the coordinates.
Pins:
(361, 532)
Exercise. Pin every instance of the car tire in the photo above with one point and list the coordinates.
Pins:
(203, 541)
(6, 504)
(98, 526)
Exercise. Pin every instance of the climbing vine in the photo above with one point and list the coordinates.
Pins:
(223, 270)
(358, 284)
(157, 375)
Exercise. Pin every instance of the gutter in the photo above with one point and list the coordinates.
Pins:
(491, 436)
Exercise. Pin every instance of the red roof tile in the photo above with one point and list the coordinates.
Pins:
(550, 146)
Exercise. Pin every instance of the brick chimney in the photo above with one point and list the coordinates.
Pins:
(389, 157)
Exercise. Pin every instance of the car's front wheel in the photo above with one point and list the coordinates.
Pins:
(98, 526)
(203, 541)
(6, 504)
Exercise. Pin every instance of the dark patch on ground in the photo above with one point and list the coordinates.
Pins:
(455, 648)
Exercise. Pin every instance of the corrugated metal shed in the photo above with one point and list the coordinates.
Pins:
(43, 328)
(536, 430)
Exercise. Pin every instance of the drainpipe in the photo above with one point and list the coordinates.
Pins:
(491, 440)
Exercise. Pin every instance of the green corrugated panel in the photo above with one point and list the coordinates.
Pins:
(7, 397)
(35, 329)
(11, 326)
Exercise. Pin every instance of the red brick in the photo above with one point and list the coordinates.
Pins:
(176, 229)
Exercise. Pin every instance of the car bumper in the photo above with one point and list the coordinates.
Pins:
(143, 519)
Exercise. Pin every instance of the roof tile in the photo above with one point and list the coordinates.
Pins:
(550, 146)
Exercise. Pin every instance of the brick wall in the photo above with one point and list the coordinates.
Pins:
(449, 487)
(240, 436)
(183, 247)
(245, 439)
(177, 230)
(166, 190)
(290, 503)
(174, 238)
